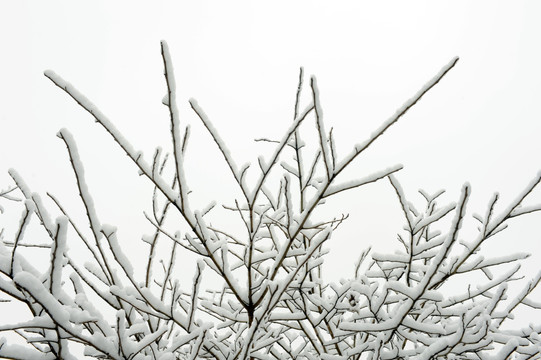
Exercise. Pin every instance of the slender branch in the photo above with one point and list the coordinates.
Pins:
(25, 218)
(397, 115)
(178, 144)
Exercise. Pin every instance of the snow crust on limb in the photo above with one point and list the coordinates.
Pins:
(110, 233)
(323, 142)
(59, 313)
(397, 115)
(89, 106)
(20, 352)
(178, 143)
(36, 205)
(514, 204)
(440, 213)
(334, 189)
(78, 168)
(219, 142)
(58, 255)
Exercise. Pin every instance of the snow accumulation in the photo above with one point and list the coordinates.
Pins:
(271, 301)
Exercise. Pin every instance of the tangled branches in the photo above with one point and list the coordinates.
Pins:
(273, 302)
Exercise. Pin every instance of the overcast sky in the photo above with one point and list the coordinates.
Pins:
(240, 60)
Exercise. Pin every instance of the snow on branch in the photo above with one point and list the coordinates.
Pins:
(401, 111)
(126, 146)
(178, 143)
(271, 299)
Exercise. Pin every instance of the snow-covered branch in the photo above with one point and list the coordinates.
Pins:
(272, 300)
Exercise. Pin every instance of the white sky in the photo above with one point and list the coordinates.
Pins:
(240, 60)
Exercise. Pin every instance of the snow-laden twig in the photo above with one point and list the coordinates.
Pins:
(221, 146)
(178, 143)
(396, 116)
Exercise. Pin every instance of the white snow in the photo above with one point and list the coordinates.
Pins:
(333, 189)
(57, 255)
(397, 115)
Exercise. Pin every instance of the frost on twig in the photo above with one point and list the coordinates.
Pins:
(272, 301)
